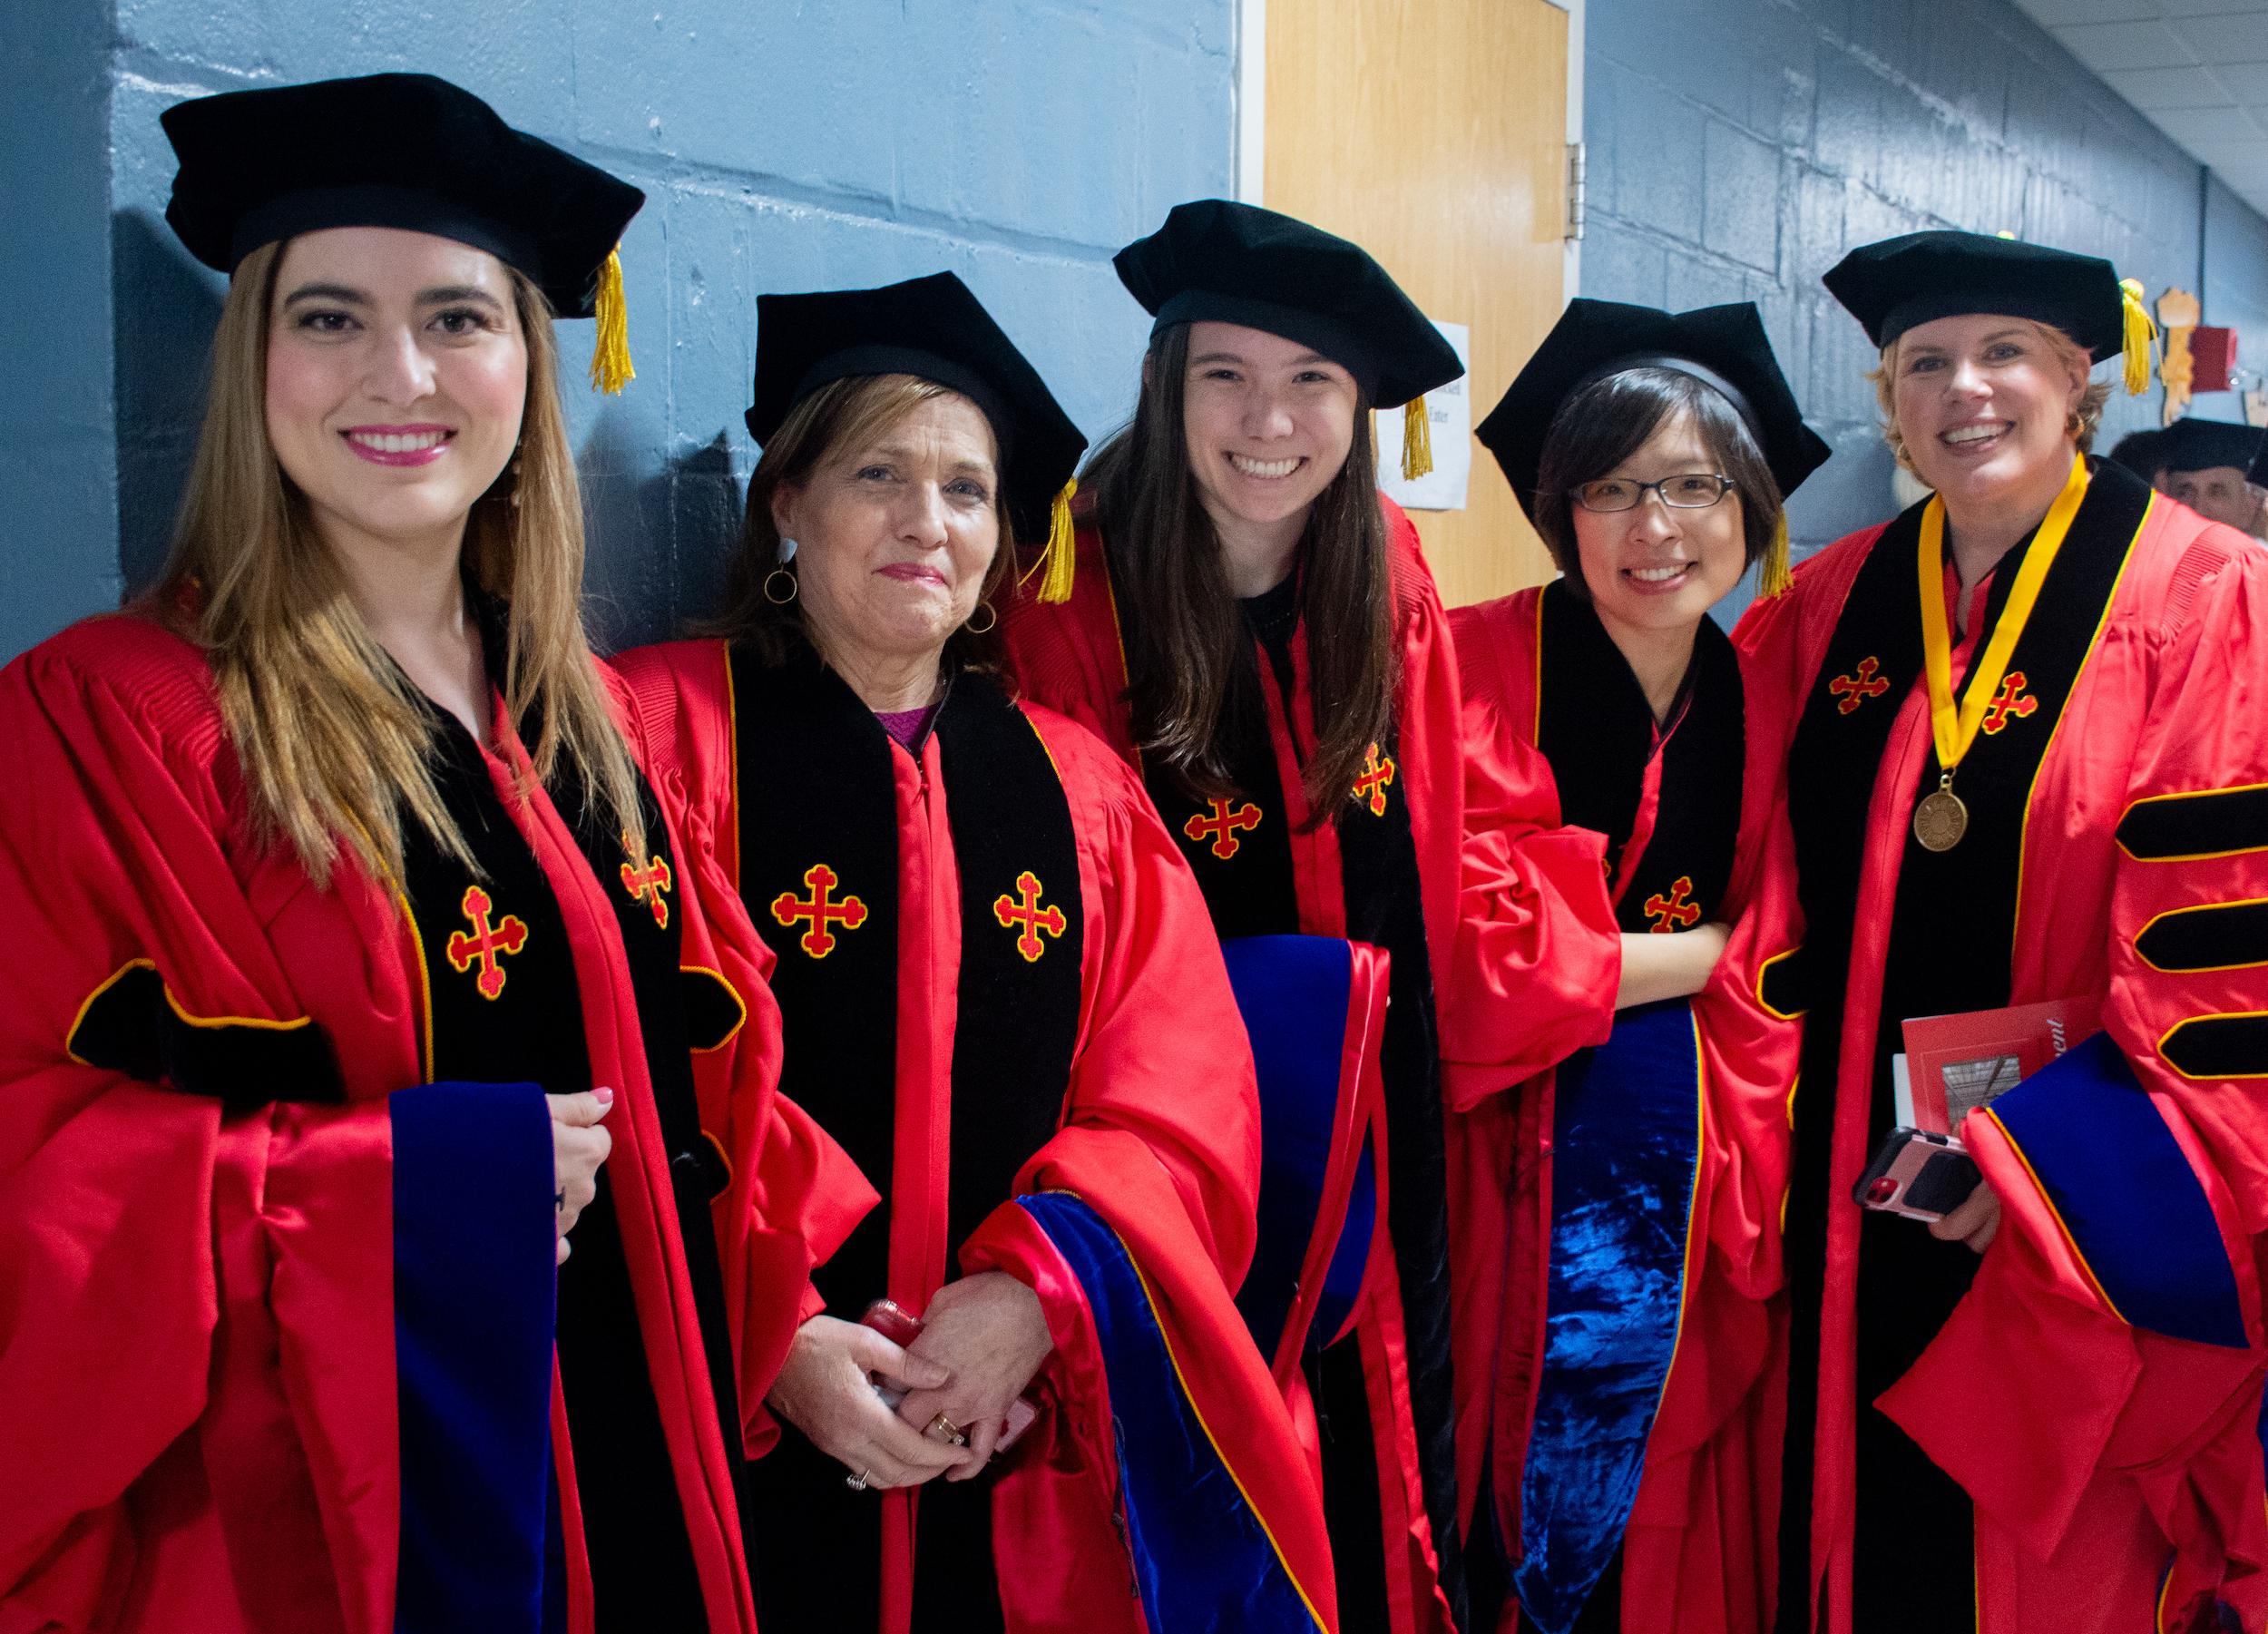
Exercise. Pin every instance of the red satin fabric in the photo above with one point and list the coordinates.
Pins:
(1520, 939)
(2100, 1457)
(1159, 1135)
(197, 1393)
(1700, 1551)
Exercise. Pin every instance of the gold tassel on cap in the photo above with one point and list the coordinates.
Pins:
(1774, 577)
(1057, 561)
(1417, 439)
(609, 354)
(2140, 333)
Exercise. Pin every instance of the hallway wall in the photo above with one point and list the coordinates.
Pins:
(1737, 148)
(2235, 291)
(788, 145)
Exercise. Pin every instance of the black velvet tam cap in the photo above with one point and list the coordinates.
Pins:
(2203, 444)
(392, 150)
(1725, 348)
(1894, 285)
(1214, 260)
(933, 328)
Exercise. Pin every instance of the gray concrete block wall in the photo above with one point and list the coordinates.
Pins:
(785, 145)
(2235, 287)
(1737, 148)
(58, 455)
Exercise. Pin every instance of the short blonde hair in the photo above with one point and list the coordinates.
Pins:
(2086, 420)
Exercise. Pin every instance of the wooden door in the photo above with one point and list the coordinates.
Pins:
(1433, 132)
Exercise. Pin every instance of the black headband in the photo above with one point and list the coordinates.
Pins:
(1684, 366)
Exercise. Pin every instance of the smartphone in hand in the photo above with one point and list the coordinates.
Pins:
(1921, 1174)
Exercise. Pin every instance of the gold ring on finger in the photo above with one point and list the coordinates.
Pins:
(953, 1431)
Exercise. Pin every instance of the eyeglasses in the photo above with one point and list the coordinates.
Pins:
(1694, 491)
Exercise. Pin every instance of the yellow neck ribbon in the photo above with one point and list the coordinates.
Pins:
(1956, 728)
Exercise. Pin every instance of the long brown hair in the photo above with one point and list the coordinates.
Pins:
(335, 740)
(1190, 649)
(842, 413)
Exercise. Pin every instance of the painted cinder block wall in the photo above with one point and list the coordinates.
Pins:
(58, 447)
(2234, 286)
(788, 144)
(1737, 148)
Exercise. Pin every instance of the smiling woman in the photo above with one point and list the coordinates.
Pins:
(1269, 423)
(393, 403)
(828, 524)
(1652, 450)
(1988, 410)
(1982, 705)
(331, 341)
(373, 919)
(1002, 996)
(424, 327)
(1253, 627)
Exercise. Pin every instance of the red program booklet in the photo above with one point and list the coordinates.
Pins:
(1954, 1064)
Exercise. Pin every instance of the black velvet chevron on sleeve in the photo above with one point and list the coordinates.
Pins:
(132, 1025)
(2210, 822)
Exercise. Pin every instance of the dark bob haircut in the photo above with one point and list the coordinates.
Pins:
(1606, 422)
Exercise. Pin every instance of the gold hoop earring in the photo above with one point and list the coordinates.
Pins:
(771, 596)
(992, 618)
(2074, 424)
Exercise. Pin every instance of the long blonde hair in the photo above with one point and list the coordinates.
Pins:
(335, 740)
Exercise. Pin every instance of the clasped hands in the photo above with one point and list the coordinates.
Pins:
(983, 1339)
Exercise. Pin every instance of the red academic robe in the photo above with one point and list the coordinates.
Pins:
(1121, 1087)
(1521, 956)
(2096, 1391)
(197, 1380)
(1698, 1553)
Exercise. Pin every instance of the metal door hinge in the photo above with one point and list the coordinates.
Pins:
(1575, 191)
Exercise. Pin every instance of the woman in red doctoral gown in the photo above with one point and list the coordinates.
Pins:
(1254, 628)
(1640, 1399)
(342, 916)
(2064, 1433)
(1001, 995)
